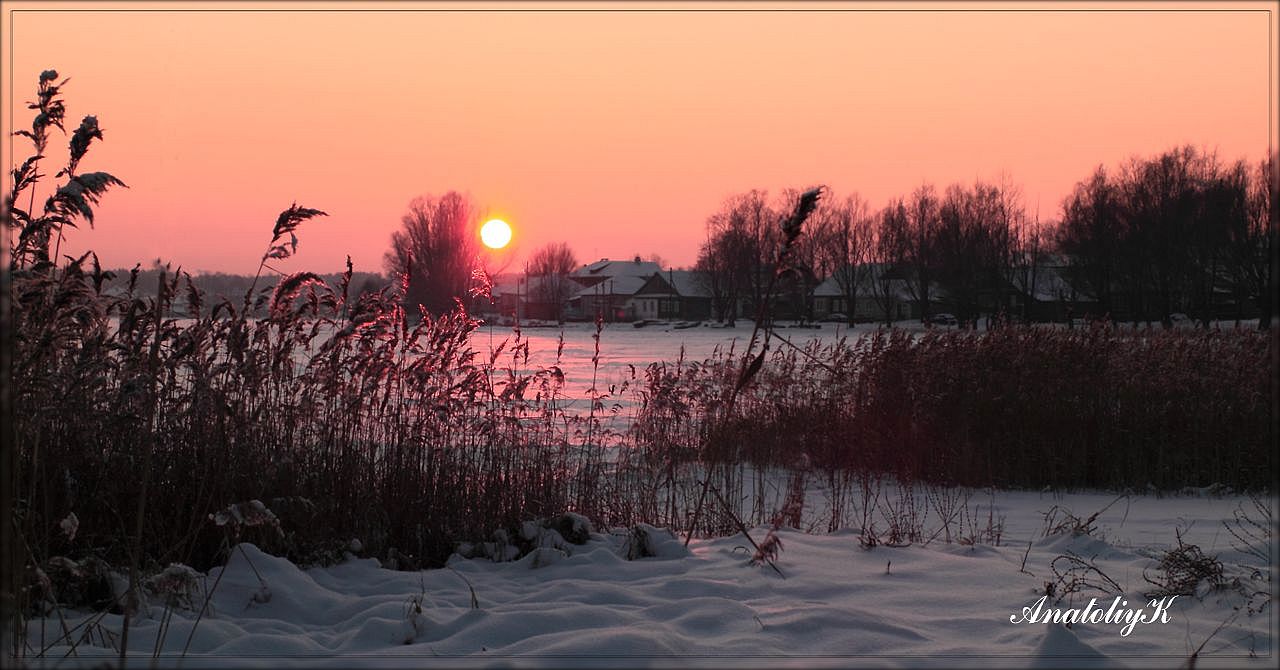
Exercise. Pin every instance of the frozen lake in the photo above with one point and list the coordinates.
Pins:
(622, 345)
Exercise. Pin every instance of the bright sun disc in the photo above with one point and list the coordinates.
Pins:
(495, 234)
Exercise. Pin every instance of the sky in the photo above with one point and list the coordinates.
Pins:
(618, 128)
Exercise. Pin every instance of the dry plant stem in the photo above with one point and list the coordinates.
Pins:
(135, 597)
(11, 621)
(749, 366)
(724, 422)
(73, 644)
(57, 247)
(1023, 568)
(204, 607)
(165, 618)
(475, 602)
(743, 528)
(1191, 660)
(812, 359)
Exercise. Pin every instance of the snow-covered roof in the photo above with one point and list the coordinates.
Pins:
(611, 268)
(829, 288)
(1050, 284)
(519, 286)
(687, 283)
(870, 273)
(617, 285)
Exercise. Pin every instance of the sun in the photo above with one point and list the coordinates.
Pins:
(495, 234)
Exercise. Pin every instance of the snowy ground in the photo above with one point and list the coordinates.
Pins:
(937, 605)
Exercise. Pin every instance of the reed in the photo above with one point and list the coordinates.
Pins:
(1018, 406)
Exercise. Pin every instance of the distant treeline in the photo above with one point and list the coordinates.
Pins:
(1181, 232)
(216, 286)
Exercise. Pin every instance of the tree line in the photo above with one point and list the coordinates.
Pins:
(1179, 232)
(216, 287)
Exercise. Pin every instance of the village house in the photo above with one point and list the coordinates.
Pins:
(532, 297)
(608, 288)
(1044, 293)
(879, 294)
(605, 288)
(673, 295)
(1041, 293)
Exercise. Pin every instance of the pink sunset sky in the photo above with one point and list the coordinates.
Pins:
(617, 131)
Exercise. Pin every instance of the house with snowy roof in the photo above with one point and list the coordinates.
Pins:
(673, 295)
(1045, 292)
(608, 288)
(879, 294)
(591, 274)
(533, 297)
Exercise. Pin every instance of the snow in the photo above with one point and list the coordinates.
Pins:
(837, 603)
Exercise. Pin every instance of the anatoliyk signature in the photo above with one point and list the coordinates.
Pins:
(1118, 613)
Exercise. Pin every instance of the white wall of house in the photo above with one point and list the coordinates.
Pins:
(656, 306)
(646, 308)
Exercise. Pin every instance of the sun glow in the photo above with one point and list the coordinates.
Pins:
(495, 234)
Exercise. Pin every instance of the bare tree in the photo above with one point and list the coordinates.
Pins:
(1031, 246)
(1251, 256)
(1167, 234)
(1263, 222)
(551, 265)
(1156, 213)
(1010, 227)
(735, 261)
(972, 246)
(1090, 233)
(708, 273)
(844, 232)
(760, 240)
(891, 253)
(914, 248)
(656, 258)
(1222, 206)
(720, 260)
(436, 251)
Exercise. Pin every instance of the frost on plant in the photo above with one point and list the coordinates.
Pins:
(69, 526)
(246, 514)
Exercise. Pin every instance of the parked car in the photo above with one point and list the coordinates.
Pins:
(836, 317)
(944, 319)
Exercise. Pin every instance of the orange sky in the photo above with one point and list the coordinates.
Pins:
(616, 131)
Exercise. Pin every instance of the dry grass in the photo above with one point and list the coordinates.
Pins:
(1014, 407)
(1182, 569)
